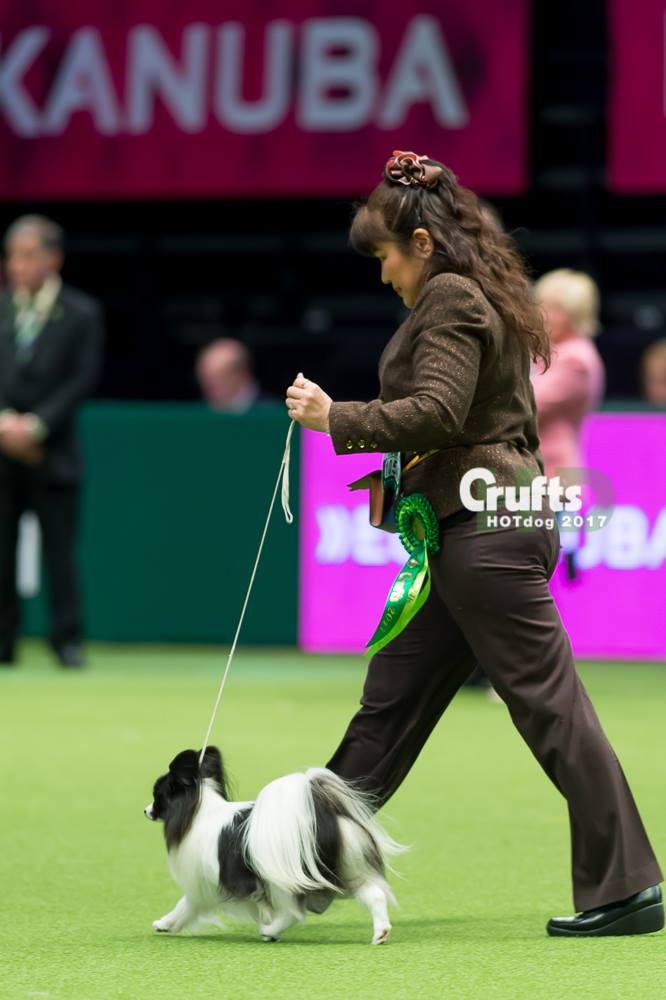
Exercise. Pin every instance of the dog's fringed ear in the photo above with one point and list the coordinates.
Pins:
(185, 767)
(211, 766)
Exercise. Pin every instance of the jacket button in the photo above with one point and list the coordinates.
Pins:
(373, 444)
(361, 443)
(349, 445)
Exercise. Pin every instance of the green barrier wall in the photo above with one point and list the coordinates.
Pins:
(173, 506)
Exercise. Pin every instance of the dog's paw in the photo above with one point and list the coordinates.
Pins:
(270, 931)
(163, 926)
(381, 936)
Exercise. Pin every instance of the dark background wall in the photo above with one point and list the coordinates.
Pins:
(279, 274)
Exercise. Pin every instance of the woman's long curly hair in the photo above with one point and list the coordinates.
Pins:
(468, 240)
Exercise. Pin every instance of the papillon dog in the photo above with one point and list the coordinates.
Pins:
(307, 839)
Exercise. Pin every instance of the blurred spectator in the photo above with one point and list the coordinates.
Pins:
(653, 373)
(226, 377)
(574, 383)
(50, 351)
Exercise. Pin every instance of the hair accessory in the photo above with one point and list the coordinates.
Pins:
(411, 170)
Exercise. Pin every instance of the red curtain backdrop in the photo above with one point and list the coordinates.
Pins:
(637, 110)
(300, 97)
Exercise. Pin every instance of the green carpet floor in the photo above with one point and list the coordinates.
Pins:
(83, 873)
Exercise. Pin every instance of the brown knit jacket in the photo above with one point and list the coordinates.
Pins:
(451, 377)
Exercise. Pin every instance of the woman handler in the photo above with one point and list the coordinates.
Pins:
(455, 380)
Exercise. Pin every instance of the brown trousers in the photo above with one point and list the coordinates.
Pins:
(490, 604)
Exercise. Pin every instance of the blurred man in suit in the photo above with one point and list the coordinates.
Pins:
(226, 377)
(51, 339)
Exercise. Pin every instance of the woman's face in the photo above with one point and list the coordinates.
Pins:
(556, 318)
(403, 271)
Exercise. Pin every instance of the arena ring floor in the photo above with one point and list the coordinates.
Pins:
(84, 873)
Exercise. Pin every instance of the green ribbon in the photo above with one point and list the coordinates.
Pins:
(419, 533)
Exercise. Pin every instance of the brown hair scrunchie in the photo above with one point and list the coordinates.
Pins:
(410, 169)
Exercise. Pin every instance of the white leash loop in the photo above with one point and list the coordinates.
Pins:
(288, 516)
(283, 476)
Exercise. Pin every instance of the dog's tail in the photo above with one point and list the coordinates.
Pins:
(355, 805)
(293, 835)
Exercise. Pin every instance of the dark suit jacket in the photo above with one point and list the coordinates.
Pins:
(451, 377)
(60, 371)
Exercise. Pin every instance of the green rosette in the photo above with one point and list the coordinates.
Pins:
(419, 533)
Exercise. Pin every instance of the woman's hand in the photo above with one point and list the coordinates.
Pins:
(308, 404)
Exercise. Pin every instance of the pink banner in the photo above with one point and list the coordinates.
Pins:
(637, 112)
(614, 609)
(615, 606)
(301, 97)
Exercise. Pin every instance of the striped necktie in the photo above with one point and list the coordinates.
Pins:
(28, 326)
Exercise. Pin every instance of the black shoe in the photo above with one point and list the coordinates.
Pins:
(70, 655)
(642, 913)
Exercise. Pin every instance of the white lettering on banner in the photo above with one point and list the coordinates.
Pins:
(626, 541)
(368, 544)
(656, 552)
(20, 111)
(83, 83)
(347, 535)
(422, 72)
(333, 542)
(266, 113)
(337, 86)
(355, 71)
(152, 72)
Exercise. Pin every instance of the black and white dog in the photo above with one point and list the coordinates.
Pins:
(308, 838)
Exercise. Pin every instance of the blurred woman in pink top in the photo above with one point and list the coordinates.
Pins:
(574, 383)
